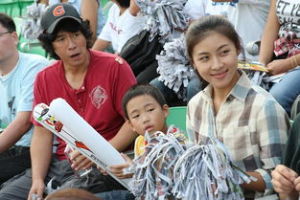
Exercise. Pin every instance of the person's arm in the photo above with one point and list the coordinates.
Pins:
(105, 37)
(258, 185)
(89, 11)
(283, 179)
(271, 128)
(270, 34)
(100, 45)
(280, 66)
(15, 130)
(123, 138)
(41, 151)
(21, 123)
(133, 8)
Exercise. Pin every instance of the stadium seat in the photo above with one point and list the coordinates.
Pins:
(23, 5)
(14, 8)
(177, 117)
(25, 45)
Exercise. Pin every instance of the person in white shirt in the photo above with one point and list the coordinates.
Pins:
(17, 74)
(122, 23)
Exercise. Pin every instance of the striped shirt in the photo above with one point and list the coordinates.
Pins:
(251, 124)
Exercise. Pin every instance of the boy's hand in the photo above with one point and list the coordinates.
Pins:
(283, 179)
(118, 170)
(102, 171)
(79, 161)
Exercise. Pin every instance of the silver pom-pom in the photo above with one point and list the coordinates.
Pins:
(165, 17)
(153, 177)
(172, 169)
(31, 27)
(205, 172)
(174, 67)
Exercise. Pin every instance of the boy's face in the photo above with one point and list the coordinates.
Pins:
(146, 114)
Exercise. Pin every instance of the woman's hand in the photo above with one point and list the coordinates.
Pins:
(279, 66)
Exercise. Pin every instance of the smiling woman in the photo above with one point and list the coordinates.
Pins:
(242, 116)
(215, 59)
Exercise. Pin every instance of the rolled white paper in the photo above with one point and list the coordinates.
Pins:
(42, 114)
(85, 133)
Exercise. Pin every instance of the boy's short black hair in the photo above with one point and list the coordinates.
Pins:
(7, 22)
(142, 89)
(68, 25)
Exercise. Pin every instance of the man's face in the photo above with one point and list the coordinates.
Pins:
(71, 48)
(8, 44)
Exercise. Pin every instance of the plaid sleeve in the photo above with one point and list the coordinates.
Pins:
(189, 123)
(272, 127)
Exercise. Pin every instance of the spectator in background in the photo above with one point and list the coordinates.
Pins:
(89, 10)
(282, 37)
(17, 74)
(93, 83)
(248, 18)
(122, 23)
(195, 8)
(285, 178)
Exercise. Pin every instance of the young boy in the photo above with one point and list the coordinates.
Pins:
(146, 110)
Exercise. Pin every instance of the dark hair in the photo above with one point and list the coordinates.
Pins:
(139, 90)
(123, 3)
(201, 28)
(68, 25)
(7, 22)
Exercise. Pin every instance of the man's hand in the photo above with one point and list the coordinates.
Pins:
(37, 190)
(283, 179)
(297, 184)
(79, 161)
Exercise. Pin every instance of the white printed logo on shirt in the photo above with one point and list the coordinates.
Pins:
(98, 96)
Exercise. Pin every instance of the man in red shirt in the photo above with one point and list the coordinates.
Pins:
(92, 82)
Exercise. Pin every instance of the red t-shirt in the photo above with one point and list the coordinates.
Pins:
(98, 100)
